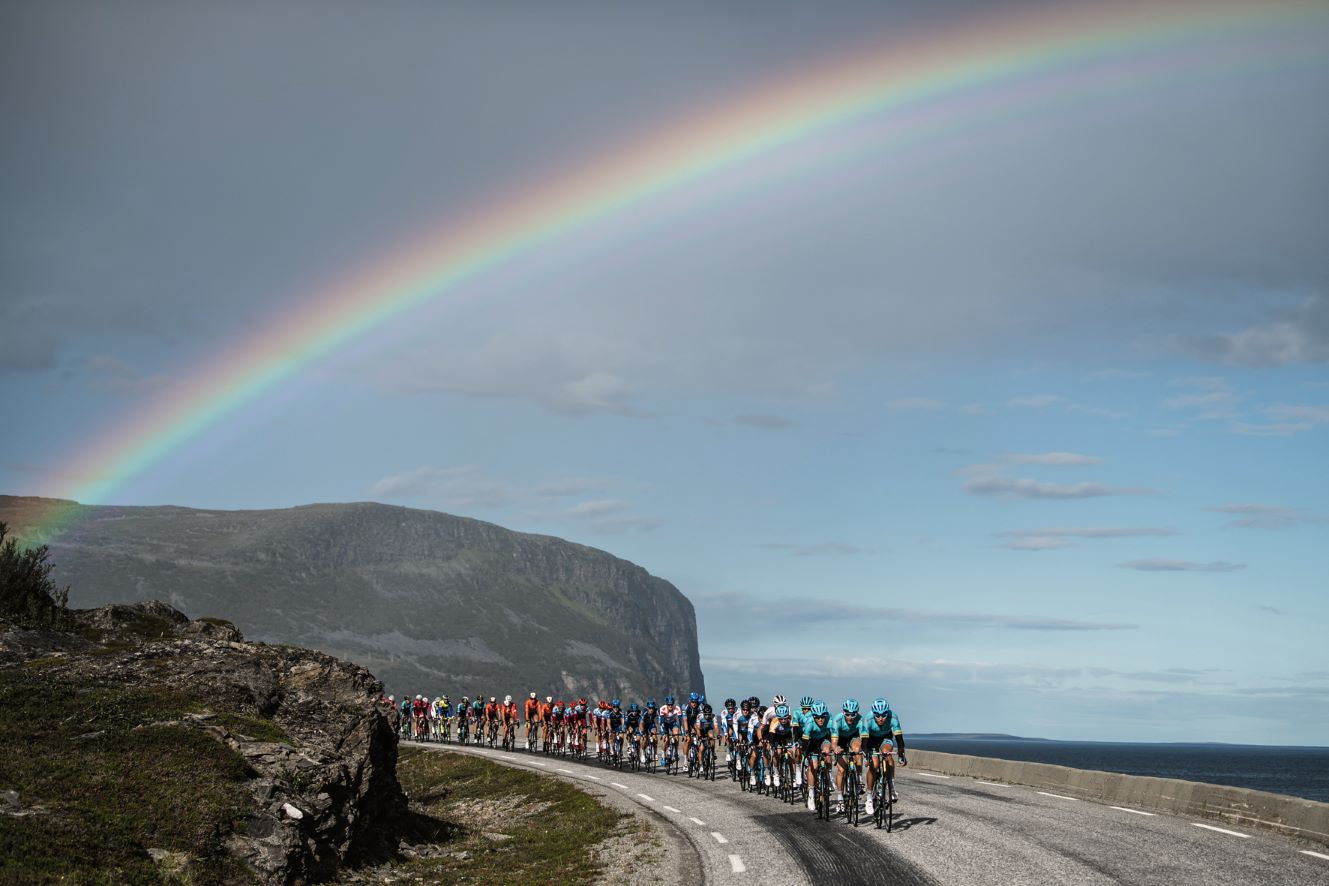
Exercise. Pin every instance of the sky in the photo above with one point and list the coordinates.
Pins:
(1010, 405)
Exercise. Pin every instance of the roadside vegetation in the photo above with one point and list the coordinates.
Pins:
(505, 825)
(28, 597)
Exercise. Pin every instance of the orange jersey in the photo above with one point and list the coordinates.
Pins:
(546, 709)
(532, 709)
(491, 711)
(509, 711)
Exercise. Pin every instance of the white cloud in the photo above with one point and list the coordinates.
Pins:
(1052, 458)
(987, 480)
(1050, 539)
(460, 487)
(1161, 565)
(765, 422)
(1299, 336)
(1260, 516)
(1038, 401)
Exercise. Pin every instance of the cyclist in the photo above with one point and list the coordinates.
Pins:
(556, 725)
(845, 742)
(436, 718)
(404, 721)
(478, 718)
(575, 716)
(800, 715)
(816, 746)
(705, 728)
(727, 718)
(650, 725)
(445, 718)
(614, 720)
(492, 714)
(509, 716)
(532, 712)
(463, 718)
(881, 730)
(743, 735)
(671, 718)
(632, 726)
(419, 718)
(691, 711)
(778, 735)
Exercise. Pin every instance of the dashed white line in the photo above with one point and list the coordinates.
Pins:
(537, 762)
(994, 784)
(719, 837)
(561, 769)
(670, 809)
(1058, 796)
(646, 798)
(697, 821)
(1303, 852)
(617, 785)
(930, 775)
(593, 777)
(1209, 827)
(1128, 809)
(736, 864)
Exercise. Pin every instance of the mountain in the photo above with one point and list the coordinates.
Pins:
(428, 602)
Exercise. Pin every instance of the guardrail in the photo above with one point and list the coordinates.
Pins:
(1292, 816)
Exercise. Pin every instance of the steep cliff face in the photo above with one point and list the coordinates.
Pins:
(427, 601)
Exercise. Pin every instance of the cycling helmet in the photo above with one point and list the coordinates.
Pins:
(493, 699)
(669, 700)
(465, 699)
(582, 701)
(745, 705)
(419, 697)
(754, 701)
(445, 696)
(650, 703)
(782, 711)
(706, 710)
(805, 702)
(692, 697)
(507, 699)
(701, 700)
(633, 707)
(819, 709)
(850, 706)
(532, 695)
(549, 699)
(777, 700)
(880, 707)
(729, 703)
(615, 703)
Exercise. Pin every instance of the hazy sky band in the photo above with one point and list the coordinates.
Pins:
(1022, 49)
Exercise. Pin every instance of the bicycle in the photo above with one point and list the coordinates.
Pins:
(463, 731)
(532, 736)
(650, 753)
(851, 788)
(708, 760)
(671, 755)
(510, 737)
(883, 805)
(445, 730)
(493, 733)
(821, 789)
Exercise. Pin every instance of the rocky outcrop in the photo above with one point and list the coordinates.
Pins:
(428, 601)
(320, 753)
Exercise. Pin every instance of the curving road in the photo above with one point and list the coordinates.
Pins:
(947, 831)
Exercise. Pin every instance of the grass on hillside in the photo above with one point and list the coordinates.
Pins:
(512, 826)
(107, 784)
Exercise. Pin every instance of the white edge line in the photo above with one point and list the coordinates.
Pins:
(994, 784)
(1209, 827)
(593, 777)
(1128, 809)
(561, 769)
(670, 809)
(719, 837)
(617, 785)
(736, 864)
(1058, 796)
(646, 798)
(538, 763)
(697, 821)
(930, 775)
(1303, 852)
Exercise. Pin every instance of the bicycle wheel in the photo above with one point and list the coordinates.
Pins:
(851, 795)
(823, 791)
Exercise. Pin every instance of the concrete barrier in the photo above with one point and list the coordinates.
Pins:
(1292, 816)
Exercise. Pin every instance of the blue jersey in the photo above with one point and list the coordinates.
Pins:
(648, 719)
(615, 717)
(846, 728)
(869, 728)
(780, 731)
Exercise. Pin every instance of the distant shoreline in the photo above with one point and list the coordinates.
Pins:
(999, 736)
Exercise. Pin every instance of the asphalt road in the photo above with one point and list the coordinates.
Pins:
(947, 831)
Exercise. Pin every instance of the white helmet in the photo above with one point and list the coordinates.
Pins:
(392, 698)
(507, 699)
(777, 700)
(419, 697)
(492, 699)
(549, 699)
(532, 695)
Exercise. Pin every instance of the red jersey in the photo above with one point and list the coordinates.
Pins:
(509, 712)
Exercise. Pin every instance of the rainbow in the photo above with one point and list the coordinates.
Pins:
(903, 81)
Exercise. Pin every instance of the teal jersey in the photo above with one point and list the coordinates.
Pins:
(814, 732)
(870, 728)
(798, 718)
(844, 729)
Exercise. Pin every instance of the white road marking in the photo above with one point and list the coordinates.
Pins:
(930, 775)
(1058, 796)
(536, 762)
(1127, 809)
(646, 798)
(719, 837)
(1209, 827)
(1303, 852)
(994, 784)
(561, 769)
(670, 809)
(697, 821)
(594, 777)
(736, 864)
(617, 785)
(846, 839)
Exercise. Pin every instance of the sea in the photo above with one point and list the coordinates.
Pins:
(1298, 772)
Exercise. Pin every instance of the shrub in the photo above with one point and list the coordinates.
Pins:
(28, 597)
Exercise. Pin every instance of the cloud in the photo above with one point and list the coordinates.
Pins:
(804, 612)
(989, 481)
(1052, 458)
(945, 671)
(765, 422)
(463, 487)
(816, 550)
(1286, 338)
(1038, 401)
(1049, 539)
(1258, 516)
(1161, 565)
(115, 376)
(915, 404)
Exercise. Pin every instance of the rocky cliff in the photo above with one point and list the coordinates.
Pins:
(429, 602)
(142, 746)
